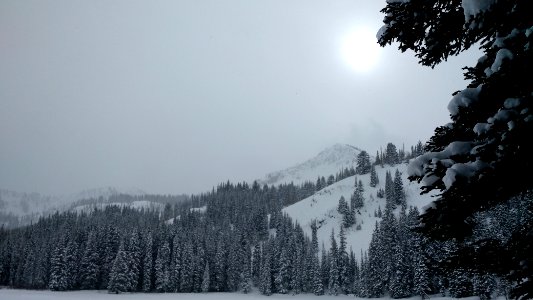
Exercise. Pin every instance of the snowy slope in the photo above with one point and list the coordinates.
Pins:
(329, 161)
(322, 206)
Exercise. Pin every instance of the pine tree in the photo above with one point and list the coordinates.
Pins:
(118, 278)
(134, 261)
(374, 179)
(331, 180)
(460, 284)
(205, 279)
(58, 276)
(357, 199)
(343, 263)
(346, 213)
(323, 182)
(110, 244)
(256, 264)
(161, 270)
(388, 241)
(333, 281)
(380, 193)
(489, 136)
(401, 279)
(399, 193)
(89, 267)
(187, 270)
(219, 279)
(233, 270)
(324, 267)
(391, 155)
(315, 276)
(421, 273)
(266, 275)
(148, 264)
(390, 194)
(318, 184)
(246, 281)
(71, 261)
(378, 159)
(363, 163)
(374, 271)
(483, 285)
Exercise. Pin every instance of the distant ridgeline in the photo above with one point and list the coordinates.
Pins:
(241, 240)
(19, 209)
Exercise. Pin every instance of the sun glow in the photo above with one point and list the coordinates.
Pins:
(360, 50)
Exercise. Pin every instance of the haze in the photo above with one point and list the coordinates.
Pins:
(177, 96)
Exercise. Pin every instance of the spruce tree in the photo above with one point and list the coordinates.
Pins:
(333, 280)
(187, 270)
(375, 267)
(363, 163)
(89, 265)
(391, 155)
(118, 278)
(58, 276)
(161, 270)
(266, 275)
(148, 264)
(346, 213)
(71, 263)
(374, 179)
(476, 161)
(399, 193)
(134, 261)
(390, 192)
(246, 281)
(205, 279)
(256, 264)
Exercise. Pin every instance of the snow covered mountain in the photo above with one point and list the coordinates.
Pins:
(329, 161)
(322, 207)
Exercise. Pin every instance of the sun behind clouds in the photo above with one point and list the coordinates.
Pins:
(360, 50)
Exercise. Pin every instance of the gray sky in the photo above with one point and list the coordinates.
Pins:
(177, 96)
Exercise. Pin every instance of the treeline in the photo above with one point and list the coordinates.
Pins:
(241, 240)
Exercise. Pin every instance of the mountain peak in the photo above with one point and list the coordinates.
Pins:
(327, 162)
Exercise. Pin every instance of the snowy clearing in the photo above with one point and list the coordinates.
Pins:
(103, 295)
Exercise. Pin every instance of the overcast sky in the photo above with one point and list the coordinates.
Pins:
(177, 96)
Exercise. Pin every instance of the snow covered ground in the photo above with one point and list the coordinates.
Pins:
(322, 207)
(9, 294)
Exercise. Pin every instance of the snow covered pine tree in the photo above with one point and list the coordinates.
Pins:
(480, 158)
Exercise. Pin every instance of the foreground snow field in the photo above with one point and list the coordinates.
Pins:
(10, 294)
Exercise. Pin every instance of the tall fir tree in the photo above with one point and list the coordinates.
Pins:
(374, 179)
(333, 280)
(58, 276)
(205, 279)
(399, 193)
(148, 264)
(363, 163)
(118, 278)
(89, 265)
(161, 270)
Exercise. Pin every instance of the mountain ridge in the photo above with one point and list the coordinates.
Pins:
(327, 162)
